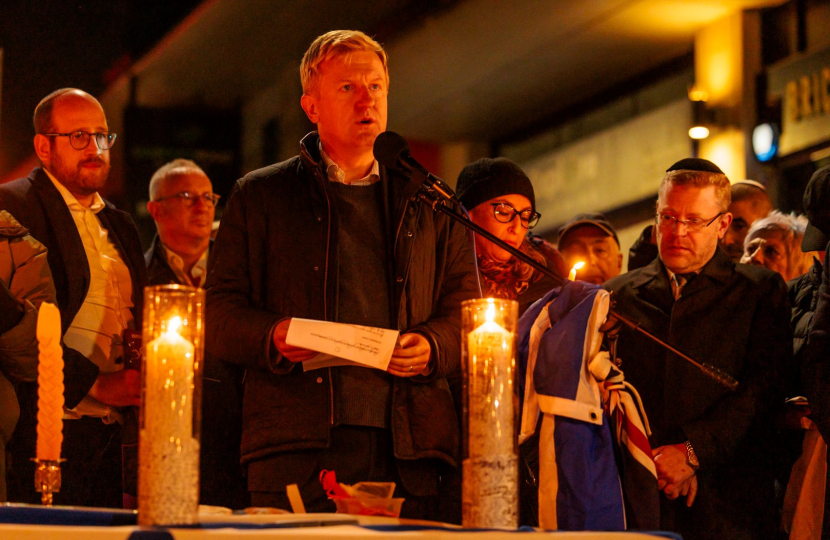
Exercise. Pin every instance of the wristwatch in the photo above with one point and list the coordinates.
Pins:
(691, 457)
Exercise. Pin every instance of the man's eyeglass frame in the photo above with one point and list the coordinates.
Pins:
(531, 221)
(694, 224)
(101, 138)
(189, 199)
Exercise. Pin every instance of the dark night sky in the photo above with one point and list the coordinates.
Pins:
(80, 43)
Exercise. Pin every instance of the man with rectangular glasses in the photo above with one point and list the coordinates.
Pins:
(183, 205)
(710, 443)
(97, 265)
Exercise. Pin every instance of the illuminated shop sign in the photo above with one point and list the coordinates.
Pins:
(808, 96)
(803, 88)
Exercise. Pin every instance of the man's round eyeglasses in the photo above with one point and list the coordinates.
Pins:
(505, 213)
(668, 221)
(80, 139)
(189, 199)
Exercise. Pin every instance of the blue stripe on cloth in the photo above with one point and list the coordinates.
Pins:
(589, 494)
(568, 313)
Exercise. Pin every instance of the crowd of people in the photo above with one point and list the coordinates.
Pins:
(332, 235)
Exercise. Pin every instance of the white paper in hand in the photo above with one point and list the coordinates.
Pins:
(348, 343)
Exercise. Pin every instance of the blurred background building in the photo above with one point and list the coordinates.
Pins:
(594, 98)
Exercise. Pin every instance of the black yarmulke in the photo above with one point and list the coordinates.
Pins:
(488, 178)
(695, 164)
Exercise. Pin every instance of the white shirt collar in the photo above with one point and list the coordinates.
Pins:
(336, 174)
(177, 265)
(98, 203)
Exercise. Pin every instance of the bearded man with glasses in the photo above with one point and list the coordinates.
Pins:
(98, 268)
(710, 443)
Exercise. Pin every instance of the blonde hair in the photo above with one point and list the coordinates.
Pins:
(791, 228)
(700, 179)
(336, 43)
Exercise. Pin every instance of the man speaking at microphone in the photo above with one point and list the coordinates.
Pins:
(332, 235)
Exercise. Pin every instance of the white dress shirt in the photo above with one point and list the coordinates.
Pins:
(96, 331)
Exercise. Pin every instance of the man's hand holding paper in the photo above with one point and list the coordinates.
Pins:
(343, 344)
(294, 354)
(411, 357)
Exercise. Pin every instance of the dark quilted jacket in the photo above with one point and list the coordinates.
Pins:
(274, 258)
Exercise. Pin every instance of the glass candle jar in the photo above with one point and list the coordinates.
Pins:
(490, 464)
(171, 385)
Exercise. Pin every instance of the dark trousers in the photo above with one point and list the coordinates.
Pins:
(356, 454)
(91, 474)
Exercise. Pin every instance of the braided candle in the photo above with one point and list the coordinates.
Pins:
(50, 384)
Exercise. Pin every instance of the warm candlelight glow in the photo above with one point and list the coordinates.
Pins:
(489, 493)
(167, 438)
(490, 314)
(578, 266)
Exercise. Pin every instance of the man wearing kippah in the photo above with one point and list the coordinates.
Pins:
(750, 202)
(710, 442)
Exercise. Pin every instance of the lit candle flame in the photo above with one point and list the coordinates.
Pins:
(577, 266)
(173, 325)
(490, 314)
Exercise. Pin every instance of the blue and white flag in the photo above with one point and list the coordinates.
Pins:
(579, 480)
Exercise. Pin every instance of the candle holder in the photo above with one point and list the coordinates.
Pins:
(47, 479)
(170, 416)
(490, 463)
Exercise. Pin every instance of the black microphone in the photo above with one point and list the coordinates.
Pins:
(392, 151)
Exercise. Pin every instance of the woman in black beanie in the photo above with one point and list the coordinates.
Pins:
(500, 198)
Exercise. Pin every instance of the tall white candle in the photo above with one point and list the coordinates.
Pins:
(490, 388)
(490, 469)
(169, 454)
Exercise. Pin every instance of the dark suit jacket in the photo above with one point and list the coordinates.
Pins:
(736, 318)
(38, 206)
(158, 269)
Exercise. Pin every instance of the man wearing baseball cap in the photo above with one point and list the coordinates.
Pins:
(590, 239)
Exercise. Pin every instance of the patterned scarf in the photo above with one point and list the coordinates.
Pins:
(511, 278)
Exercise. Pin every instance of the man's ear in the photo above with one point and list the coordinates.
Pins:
(43, 148)
(309, 105)
(155, 209)
(619, 261)
(724, 225)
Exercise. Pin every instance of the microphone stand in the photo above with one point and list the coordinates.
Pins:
(438, 202)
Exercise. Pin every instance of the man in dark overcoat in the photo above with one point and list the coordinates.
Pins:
(709, 441)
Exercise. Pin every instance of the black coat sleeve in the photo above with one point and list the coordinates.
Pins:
(457, 283)
(237, 330)
(815, 372)
(79, 374)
